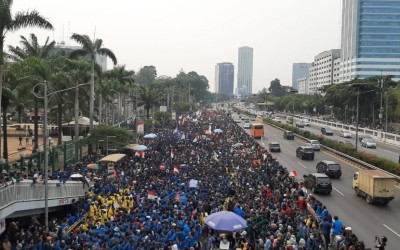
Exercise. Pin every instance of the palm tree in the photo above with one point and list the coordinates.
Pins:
(10, 23)
(91, 49)
(32, 49)
(148, 96)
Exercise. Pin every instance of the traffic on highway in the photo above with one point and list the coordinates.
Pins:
(366, 220)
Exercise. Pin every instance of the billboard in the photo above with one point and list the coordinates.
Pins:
(140, 128)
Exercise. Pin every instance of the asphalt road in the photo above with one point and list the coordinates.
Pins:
(366, 220)
(384, 150)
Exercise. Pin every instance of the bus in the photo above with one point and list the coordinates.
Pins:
(257, 130)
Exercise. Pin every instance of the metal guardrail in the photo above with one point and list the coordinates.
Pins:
(362, 163)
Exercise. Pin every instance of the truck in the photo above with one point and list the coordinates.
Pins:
(374, 185)
(289, 119)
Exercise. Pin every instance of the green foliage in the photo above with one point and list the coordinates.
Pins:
(181, 107)
(276, 88)
(122, 136)
(146, 75)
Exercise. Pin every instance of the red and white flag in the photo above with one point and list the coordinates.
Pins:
(172, 153)
(151, 195)
(176, 170)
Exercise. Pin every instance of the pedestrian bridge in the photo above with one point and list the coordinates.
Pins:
(22, 199)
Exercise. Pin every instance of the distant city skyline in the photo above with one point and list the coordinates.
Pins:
(176, 34)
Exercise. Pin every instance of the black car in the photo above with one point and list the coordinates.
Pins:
(288, 135)
(305, 152)
(318, 183)
(326, 131)
(274, 147)
(330, 168)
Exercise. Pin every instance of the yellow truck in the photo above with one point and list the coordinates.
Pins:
(375, 185)
(289, 119)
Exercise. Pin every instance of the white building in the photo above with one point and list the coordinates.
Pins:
(322, 71)
(302, 85)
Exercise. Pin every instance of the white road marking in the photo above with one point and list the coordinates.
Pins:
(398, 235)
(338, 191)
(301, 165)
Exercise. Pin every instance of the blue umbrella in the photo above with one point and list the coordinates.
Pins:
(141, 148)
(150, 136)
(218, 131)
(226, 221)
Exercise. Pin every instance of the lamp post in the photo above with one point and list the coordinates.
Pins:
(386, 116)
(46, 97)
(98, 147)
(109, 136)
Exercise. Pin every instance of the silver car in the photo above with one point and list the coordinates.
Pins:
(315, 145)
(368, 143)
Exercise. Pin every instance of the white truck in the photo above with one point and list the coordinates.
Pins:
(375, 185)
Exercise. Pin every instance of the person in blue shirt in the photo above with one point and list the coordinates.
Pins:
(336, 227)
(326, 229)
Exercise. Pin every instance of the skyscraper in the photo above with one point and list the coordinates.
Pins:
(370, 42)
(300, 70)
(245, 71)
(224, 75)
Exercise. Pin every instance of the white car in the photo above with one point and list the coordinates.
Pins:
(345, 133)
(246, 125)
(277, 119)
(368, 143)
(306, 122)
(315, 145)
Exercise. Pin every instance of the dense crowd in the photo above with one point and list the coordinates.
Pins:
(148, 202)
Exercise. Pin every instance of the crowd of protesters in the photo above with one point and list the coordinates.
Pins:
(147, 203)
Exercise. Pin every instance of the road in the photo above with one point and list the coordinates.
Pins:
(366, 220)
(384, 150)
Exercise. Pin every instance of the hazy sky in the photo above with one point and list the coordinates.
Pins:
(194, 35)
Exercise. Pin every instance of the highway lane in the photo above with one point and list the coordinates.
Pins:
(365, 219)
(385, 150)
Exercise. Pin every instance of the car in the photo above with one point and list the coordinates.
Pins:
(326, 131)
(330, 168)
(318, 183)
(288, 135)
(274, 147)
(368, 143)
(315, 145)
(345, 133)
(238, 121)
(300, 124)
(361, 137)
(246, 125)
(277, 119)
(305, 152)
(306, 122)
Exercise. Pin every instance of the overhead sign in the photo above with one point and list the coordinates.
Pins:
(140, 127)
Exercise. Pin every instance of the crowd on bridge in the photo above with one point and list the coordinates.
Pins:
(160, 198)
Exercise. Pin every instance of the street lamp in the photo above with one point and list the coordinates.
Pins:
(46, 97)
(109, 136)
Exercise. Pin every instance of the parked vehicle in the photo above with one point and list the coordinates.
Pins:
(368, 143)
(318, 183)
(288, 135)
(305, 152)
(326, 131)
(330, 168)
(375, 185)
(345, 133)
(274, 147)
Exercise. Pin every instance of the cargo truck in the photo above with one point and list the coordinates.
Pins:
(375, 185)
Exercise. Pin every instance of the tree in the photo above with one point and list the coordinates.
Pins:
(10, 23)
(91, 49)
(148, 96)
(276, 88)
(146, 75)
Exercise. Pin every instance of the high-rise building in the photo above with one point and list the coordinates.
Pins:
(224, 76)
(300, 70)
(323, 70)
(370, 41)
(245, 71)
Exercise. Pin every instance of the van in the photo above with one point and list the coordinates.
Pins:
(330, 168)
